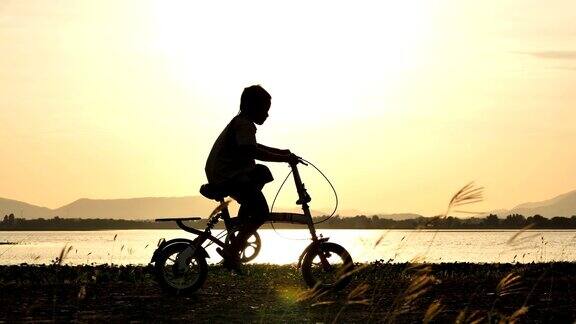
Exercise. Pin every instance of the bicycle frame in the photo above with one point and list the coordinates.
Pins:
(294, 218)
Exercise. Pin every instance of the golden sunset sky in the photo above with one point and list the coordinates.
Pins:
(400, 103)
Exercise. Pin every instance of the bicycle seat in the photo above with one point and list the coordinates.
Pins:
(214, 192)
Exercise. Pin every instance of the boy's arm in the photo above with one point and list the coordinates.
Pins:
(263, 153)
(273, 149)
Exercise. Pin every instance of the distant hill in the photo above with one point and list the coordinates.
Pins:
(22, 209)
(562, 205)
(138, 208)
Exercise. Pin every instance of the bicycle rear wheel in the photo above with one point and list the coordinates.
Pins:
(176, 279)
(251, 249)
(327, 266)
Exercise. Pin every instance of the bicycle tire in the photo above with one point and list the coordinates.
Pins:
(166, 273)
(336, 276)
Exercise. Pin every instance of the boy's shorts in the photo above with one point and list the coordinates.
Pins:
(258, 177)
(247, 190)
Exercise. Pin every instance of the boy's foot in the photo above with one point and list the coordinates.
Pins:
(233, 266)
(230, 262)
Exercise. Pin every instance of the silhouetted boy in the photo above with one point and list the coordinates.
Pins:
(231, 166)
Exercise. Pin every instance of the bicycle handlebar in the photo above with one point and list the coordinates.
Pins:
(299, 160)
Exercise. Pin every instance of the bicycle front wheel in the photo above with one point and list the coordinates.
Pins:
(327, 266)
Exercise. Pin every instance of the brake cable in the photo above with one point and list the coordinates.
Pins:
(282, 185)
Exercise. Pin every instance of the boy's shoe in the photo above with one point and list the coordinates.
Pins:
(230, 262)
(234, 266)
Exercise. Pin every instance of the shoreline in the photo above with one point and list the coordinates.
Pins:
(303, 227)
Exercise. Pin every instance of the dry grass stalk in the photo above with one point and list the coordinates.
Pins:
(63, 253)
(322, 303)
(512, 239)
(417, 264)
(316, 292)
(220, 207)
(82, 293)
(465, 196)
(469, 212)
(473, 318)
(313, 293)
(517, 314)
(422, 282)
(380, 239)
(418, 287)
(509, 285)
(357, 295)
(346, 271)
(433, 310)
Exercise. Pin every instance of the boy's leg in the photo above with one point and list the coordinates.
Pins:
(253, 213)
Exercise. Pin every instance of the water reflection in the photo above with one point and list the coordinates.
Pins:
(285, 246)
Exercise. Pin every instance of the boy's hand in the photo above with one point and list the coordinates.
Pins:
(293, 158)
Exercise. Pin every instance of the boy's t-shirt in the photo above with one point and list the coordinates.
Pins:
(226, 161)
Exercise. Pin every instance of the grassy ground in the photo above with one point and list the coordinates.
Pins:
(380, 292)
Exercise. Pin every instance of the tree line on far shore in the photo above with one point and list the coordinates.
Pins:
(513, 221)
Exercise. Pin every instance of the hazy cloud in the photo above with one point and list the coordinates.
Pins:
(571, 68)
(554, 55)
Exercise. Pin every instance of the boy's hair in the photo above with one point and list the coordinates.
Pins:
(253, 95)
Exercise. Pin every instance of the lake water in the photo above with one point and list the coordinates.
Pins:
(285, 246)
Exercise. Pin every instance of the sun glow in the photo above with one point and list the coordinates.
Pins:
(314, 58)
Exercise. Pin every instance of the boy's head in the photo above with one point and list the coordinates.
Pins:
(255, 103)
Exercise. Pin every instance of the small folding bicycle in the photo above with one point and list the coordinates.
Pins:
(180, 264)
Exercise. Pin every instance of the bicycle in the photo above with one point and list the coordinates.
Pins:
(180, 264)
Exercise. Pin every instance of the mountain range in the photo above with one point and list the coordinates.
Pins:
(155, 207)
(562, 205)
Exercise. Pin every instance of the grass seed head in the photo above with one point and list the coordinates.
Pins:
(509, 285)
(474, 318)
(432, 311)
(517, 314)
(468, 194)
